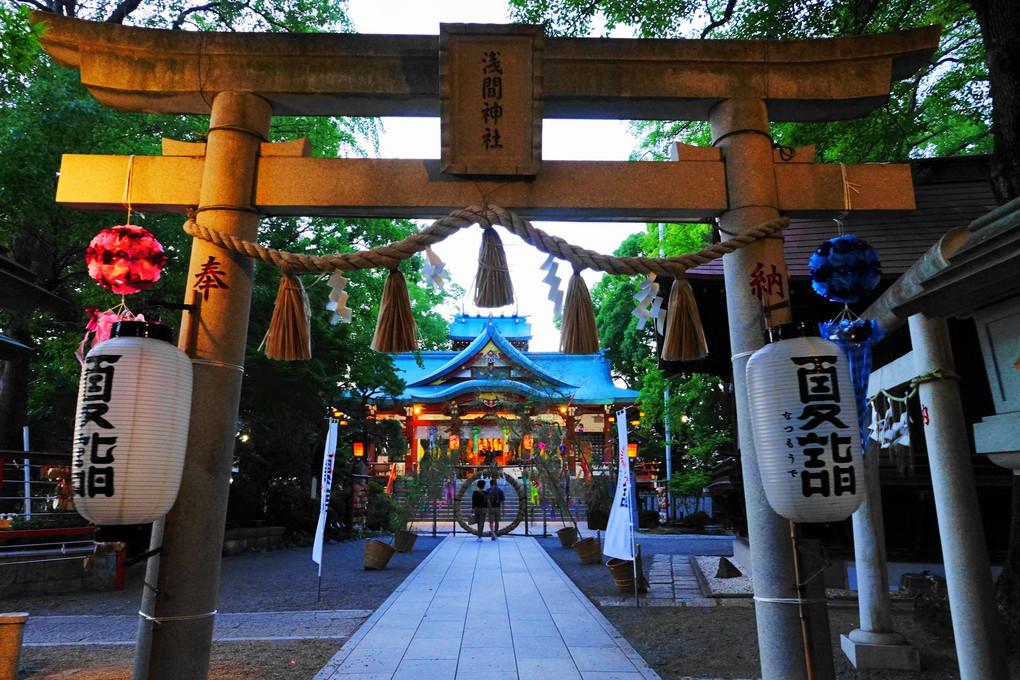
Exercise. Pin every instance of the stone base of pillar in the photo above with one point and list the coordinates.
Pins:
(864, 655)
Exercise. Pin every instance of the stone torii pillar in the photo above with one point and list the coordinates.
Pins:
(740, 128)
(192, 532)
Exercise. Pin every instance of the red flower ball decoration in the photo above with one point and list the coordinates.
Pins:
(125, 259)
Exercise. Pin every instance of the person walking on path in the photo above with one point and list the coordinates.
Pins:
(480, 506)
(496, 499)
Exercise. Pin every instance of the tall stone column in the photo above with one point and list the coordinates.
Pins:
(740, 129)
(979, 647)
(219, 283)
(875, 644)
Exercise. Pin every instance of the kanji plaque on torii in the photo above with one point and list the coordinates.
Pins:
(491, 100)
(490, 139)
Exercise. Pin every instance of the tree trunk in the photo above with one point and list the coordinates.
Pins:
(1007, 587)
(1000, 32)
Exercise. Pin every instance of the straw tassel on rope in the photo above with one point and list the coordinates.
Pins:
(492, 282)
(395, 329)
(289, 337)
(578, 333)
(684, 339)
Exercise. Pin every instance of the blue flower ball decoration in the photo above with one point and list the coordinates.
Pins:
(844, 268)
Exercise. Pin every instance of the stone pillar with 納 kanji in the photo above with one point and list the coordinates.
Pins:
(757, 287)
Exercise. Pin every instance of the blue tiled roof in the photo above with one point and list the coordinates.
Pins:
(489, 332)
(467, 327)
(549, 375)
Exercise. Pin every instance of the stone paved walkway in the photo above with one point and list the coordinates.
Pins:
(490, 610)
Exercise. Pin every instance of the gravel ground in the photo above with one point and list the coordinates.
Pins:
(280, 580)
(721, 641)
(678, 642)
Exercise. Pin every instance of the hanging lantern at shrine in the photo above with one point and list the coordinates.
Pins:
(804, 419)
(454, 442)
(844, 268)
(125, 259)
(131, 429)
(528, 442)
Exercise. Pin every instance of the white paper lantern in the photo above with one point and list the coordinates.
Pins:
(131, 429)
(804, 419)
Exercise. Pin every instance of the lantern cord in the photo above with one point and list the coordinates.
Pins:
(391, 255)
(164, 619)
(126, 200)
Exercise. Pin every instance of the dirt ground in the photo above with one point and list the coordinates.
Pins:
(678, 642)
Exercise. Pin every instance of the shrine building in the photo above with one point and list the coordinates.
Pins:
(475, 398)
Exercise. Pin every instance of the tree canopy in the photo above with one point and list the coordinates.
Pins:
(945, 109)
(46, 113)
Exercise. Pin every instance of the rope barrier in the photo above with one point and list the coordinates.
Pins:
(932, 376)
(391, 255)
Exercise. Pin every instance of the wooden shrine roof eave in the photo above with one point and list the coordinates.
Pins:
(173, 72)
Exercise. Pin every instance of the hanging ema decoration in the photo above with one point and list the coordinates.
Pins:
(844, 268)
(125, 259)
(131, 429)
(805, 426)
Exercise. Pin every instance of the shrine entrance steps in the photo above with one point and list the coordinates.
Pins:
(487, 610)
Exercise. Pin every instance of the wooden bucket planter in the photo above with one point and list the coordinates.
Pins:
(589, 550)
(377, 554)
(623, 575)
(567, 536)
(403, 541)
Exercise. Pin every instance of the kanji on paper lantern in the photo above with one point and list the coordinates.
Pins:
(804, 418)
(131, 428)
(125, 259)
(528, 442)
(454, 442)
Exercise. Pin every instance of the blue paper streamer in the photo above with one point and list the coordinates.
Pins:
(855, 337)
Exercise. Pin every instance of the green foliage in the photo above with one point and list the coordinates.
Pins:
(688, 483)
(19, 49)
(698, 415)
(408, 495)
(629, 349)
(597, 493)
(943, 110)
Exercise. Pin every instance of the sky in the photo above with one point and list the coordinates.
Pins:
(561, 140)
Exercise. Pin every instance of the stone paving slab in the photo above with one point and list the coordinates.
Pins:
(507, 611)
(51, 631)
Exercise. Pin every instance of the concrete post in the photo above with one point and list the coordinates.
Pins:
(875, 644)
(968, 570)
(740, 129)
(193, 530)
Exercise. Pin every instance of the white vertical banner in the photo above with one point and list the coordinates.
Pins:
(328, 456)
(619, 541)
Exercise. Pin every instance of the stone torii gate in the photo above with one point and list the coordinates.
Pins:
(492, 86)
